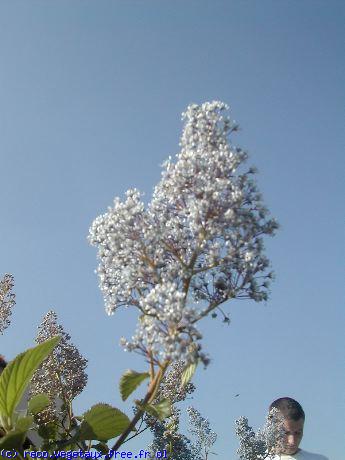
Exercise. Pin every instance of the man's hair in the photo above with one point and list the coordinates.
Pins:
(289, 408)
(3, 363)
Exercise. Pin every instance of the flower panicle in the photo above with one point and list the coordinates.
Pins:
(261, 444)
(7, 301)
(62, 374)
(200, 428)
(197, 244)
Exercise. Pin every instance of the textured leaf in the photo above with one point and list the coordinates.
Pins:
(37, 403)
(17, 375)
(24, 423)
(48, 431)
(161, 410)
(101, 447)
(188, 373)
(13, 440)
(130, 382)
(103, 422)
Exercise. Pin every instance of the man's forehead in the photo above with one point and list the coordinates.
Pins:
(293, 425)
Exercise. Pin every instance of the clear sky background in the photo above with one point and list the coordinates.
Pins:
(91, 94)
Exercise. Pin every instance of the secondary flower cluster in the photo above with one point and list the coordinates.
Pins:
(260, 445)
(200, 428)
(166, 326)
(198, 242)
(171, 388)
(176, 444)
(7, 301)
(166, 434)
(62, 374)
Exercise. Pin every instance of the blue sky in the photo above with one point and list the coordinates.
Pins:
(90, 100)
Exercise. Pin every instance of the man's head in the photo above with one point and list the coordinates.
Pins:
(294, 418)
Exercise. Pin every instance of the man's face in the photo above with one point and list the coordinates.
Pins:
(293, 436)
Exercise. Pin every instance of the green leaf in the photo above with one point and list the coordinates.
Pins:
(13, 440)
(48, 430)
(103, 422)
(161, 410)
(130, 382)
(188, 373)
(17, 375)
(37, 403)
(101, 447)
(24, 423)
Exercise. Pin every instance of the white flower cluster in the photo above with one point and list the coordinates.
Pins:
(166, 433)
(7, 301)
(166, 327)
(62, 374)
(122, 236)
(171, 386)
(178, 446)
(200, 428)
(201, 233)
(260, 445)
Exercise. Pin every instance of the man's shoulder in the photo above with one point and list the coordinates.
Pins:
(300, 455)
(305, 455)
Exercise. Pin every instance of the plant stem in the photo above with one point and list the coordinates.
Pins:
(154, 385)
